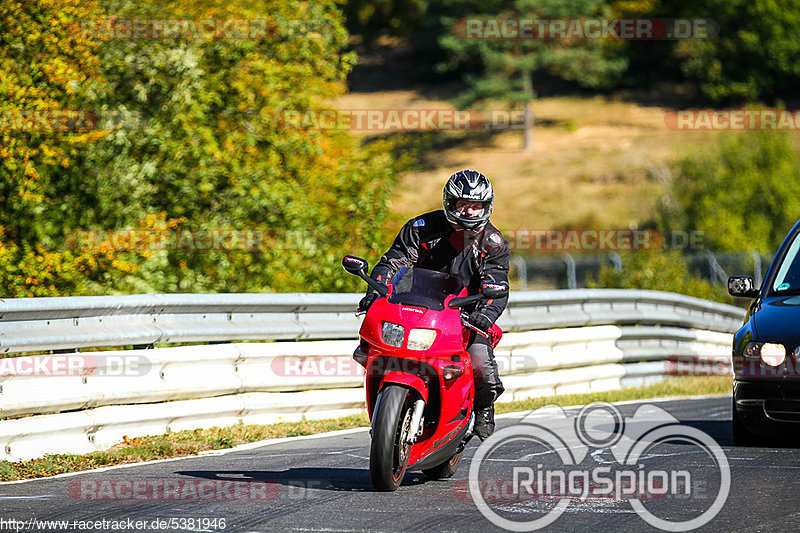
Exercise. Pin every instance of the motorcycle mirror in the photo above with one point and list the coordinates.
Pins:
(492, 290)
(355, 265)
(359, 267)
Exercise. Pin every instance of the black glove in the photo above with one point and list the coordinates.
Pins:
(480, 321)
(367, 301)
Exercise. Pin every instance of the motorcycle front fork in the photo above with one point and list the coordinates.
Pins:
(415, 429)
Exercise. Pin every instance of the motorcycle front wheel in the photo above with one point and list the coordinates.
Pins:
(444, 470)
(389, 452)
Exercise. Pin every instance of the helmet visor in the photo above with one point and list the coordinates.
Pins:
(469, 209)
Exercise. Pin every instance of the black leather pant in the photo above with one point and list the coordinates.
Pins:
(484, 370)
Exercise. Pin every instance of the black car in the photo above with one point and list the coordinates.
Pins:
(766, 350)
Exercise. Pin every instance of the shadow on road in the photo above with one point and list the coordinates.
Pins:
(333, 479)
(719, 430)
(722, 432)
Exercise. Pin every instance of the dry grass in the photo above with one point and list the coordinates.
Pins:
(595, 161)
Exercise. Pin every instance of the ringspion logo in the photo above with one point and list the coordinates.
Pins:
(524, 477)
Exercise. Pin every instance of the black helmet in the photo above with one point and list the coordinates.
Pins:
(472, 186)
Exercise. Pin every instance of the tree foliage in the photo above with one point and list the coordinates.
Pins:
(509, 66)
(44, 67)
(742, 195)
(372, 18)
(658, 270)
(506, 61)
(755, 56)
(191, 138)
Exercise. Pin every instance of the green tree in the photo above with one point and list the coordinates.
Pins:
(42, 69)
(44, 72)
(742, 195)
(510, 65)
(755, 56)
(191, 138)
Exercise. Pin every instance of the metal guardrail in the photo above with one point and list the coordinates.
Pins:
(604, 339)
(65, 323)
(36, 324)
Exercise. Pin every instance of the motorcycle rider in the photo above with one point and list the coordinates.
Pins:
(459, 240)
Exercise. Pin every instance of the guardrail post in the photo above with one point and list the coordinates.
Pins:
(616, 261)
(715, 269)
(756, 267)
(572, 281)
(522, 271)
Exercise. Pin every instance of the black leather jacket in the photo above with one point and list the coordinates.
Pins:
(429, 241)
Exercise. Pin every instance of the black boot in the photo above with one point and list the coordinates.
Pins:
(484, 422)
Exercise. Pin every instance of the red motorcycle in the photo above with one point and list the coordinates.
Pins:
(419, 383)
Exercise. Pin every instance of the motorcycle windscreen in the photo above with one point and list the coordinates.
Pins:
(423, 288)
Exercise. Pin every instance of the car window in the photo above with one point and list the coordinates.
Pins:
(789, 273)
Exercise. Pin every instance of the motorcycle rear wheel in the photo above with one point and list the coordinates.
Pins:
(389, 452)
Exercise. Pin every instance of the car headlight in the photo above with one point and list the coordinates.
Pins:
(392, 334)
(771, 353)
(421, 338)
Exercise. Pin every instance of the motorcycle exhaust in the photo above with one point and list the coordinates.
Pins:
(416, 421)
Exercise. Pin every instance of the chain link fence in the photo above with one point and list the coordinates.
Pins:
(571, 271)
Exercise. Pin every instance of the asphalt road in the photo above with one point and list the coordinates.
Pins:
(322, 484)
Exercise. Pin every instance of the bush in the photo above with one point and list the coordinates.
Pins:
(659, 271)
(742, 195)
(189, 138)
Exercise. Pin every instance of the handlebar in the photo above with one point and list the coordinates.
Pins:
(464, 300)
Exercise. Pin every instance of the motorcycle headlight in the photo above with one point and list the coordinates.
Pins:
(421, 338)
(392, 334)
(772, 354)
